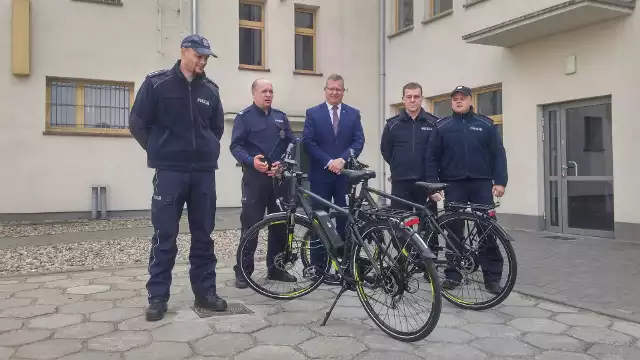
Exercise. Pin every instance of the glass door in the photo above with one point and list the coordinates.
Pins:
(579, 168)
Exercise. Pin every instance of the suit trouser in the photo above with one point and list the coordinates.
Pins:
(407, 190)
(336, 192)
(475, 191)
(259, 192)
(171, 190)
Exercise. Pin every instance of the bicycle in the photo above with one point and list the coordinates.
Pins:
(459, 255)
(357, 273)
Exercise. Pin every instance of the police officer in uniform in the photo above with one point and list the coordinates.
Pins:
(177, 118)
(259, 138)
(403, 146)
(466, 152)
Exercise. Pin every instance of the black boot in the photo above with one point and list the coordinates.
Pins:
(211, 302)
(280, 275)
(156, 310)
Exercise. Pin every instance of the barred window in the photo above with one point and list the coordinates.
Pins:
(84, 105)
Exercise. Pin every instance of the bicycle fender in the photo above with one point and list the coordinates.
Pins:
(419, 243)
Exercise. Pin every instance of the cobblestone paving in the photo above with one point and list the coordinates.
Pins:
(100, 315)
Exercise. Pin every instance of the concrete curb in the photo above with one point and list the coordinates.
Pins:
(611, 313)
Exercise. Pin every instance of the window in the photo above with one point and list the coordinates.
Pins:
(488, 102)
(404, 14)
(251, 47)
(88, 106)
(440, 6)
(442, 108)
(397, 108)
(305, 40)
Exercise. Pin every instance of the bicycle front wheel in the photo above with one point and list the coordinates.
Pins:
(399, 287)
(277, 271)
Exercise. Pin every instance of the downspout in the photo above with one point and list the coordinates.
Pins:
(194, 16)
(382, 90)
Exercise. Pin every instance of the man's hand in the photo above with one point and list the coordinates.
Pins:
(498, 190)
(274, 168)
(259, 164)
(336, 165)
(437, 197)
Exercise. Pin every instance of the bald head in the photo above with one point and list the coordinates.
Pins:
(262, 92)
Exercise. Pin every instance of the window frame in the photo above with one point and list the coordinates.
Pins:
(256, 25)
(432, 7)
(396, 17)
(79, 128)
(306, 32)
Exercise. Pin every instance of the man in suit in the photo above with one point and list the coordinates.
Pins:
(331, 130)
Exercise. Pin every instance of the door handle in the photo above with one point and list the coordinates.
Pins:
(575, 166)
(565, 168)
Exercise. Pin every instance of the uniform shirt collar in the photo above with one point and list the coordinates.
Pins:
(257, 108)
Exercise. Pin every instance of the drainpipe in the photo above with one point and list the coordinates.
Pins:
(194, 16)
(382, 95)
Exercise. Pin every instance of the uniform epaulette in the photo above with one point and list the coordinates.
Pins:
(157, 73)
(441, 120)
(245, 110)
(393, 117)
(279, 111)
(485, 118)
(211, 82)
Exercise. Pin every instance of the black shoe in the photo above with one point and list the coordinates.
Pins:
(449, 284)
(493, 287)
(280, 275)
(211, 303)
(156, 310)
(242, 283)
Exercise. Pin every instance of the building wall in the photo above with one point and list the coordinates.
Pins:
(530, 75)
(45, 173)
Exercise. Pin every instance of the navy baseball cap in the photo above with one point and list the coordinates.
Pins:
(461, 89)
(199, 44)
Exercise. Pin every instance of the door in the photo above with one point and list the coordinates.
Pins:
(579, 168)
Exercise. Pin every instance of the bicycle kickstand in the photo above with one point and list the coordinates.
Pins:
(345, 287)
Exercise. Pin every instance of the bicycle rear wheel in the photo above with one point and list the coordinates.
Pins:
(406, 281)
(485, 255)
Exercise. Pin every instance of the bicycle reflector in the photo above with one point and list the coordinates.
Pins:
(491, 213)
(411, 222)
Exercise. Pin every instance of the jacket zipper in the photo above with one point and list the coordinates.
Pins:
(413, 141)
(193, 126)
(466, 150)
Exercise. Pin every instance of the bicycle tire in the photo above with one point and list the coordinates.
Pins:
(270, 219)
(503, 238)
(429, 269)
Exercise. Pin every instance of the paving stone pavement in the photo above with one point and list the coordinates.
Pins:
(99, 315)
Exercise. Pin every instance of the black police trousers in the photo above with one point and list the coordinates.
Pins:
(475, 191)
(260, 192)
(171, 190)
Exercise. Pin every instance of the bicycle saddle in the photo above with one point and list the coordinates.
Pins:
(356, 176)
(431, 187)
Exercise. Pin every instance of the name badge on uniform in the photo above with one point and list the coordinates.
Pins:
(426, 128)
(475, 128)
(282, 134)
(279, 120)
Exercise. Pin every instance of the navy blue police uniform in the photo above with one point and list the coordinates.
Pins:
(268, 133)
(403, 146)
(179, 124)
(466, 152)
